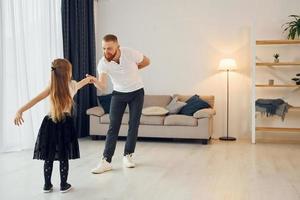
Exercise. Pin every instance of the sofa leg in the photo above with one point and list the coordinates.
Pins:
(205, 141)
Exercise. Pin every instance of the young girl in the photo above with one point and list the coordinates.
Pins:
(57, 137)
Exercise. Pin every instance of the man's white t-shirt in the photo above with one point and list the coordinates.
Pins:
(125, 76)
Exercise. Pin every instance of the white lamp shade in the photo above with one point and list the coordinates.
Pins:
(227, 64)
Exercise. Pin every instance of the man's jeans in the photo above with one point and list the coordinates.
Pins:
(119, 101)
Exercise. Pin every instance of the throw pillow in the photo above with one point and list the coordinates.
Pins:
(204, 113)
(194, 104)
(175, 106)
(97, 111)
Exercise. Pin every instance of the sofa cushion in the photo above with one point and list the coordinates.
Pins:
(154, 111)
(152, 120)
(193, 104)
(157, 100)
(204, 113)
(175, 106)
(154, 100)
(104, 101)
(105, 119)
(97, 111)
(180, 120)
(146, 120)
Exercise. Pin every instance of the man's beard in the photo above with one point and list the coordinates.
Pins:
(110, 57)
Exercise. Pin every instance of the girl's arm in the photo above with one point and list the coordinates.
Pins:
(18, 118)
(83, 83)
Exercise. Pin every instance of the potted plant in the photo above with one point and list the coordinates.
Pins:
(293, 27)
(297, 80)
(276, 58)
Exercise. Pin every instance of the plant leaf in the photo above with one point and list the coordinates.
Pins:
(293, 27)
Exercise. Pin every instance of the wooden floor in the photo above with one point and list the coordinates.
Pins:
(166, 170)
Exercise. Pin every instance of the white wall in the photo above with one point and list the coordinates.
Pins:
(185, 41)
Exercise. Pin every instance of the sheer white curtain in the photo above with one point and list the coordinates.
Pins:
(30, 38)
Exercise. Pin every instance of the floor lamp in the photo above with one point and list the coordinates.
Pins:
(227, 65)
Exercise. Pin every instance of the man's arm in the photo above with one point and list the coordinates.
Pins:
(145, 62)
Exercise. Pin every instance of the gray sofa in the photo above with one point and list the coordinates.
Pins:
(198, 126)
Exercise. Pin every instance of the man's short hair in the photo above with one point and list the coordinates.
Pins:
(110, 37)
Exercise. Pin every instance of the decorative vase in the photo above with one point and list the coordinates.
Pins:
(271, 82)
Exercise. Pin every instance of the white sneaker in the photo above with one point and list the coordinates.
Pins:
(128, 161)
(102, 167)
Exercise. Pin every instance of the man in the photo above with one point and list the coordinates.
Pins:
(121, 65)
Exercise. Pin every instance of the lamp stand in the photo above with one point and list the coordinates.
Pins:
(227, 138)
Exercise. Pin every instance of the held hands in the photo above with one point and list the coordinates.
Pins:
(100, 83)
(18, 119)
(91, 79)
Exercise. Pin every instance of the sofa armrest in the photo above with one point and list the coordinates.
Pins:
(97, 111)
(205, 113)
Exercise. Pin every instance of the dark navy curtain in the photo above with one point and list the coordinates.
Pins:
(79, 48)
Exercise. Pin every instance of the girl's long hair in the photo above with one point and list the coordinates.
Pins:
(60, 97)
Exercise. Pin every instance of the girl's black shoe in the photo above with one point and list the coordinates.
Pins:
(65, 188)
(48, 188)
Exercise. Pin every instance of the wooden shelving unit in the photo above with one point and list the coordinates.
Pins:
(292, 109)
(278, 64)
(277, 86)
(276, 42)
(277, 129)
(280, 129)
(287, 86)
